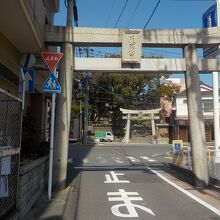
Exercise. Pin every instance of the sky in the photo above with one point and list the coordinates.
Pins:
(169, 14)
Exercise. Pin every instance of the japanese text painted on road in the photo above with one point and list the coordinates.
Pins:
(124, 198)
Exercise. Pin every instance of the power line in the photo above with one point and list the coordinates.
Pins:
(112, 6)
(66, 4)
(152, 14)
(80, 52)
(75, 13)
(190, 0)
(132, 16)
(161, 52)
(121, 13)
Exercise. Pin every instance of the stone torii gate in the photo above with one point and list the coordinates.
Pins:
(129, 115)
(132, 42)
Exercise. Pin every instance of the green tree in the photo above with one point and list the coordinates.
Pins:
(111, 91)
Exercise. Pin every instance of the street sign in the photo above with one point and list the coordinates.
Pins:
(178, 154)
(209, 19)
(51, 85)
(51, 59)
(29, 77)
(27, 60)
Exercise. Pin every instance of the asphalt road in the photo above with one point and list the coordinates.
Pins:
(118, 154)
(119, 181)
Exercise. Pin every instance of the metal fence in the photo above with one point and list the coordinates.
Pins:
(10, 138)
(184, 159)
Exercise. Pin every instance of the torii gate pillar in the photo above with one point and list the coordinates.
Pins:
(127, 135)
(196, 122)
(153, 127)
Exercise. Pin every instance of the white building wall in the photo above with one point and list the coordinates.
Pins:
(181, 107)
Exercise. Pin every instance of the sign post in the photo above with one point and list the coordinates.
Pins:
(215, 80)
(178, 155)
(50, 175)
(22, 87)
(211, 18)
(51, 85)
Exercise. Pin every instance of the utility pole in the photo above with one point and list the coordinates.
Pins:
(86, 104)
(63, 107)
(80, 119)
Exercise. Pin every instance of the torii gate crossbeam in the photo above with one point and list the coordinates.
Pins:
(107, 37)
(147, 65)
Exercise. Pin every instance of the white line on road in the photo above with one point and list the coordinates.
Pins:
(147, 158)
(102, 160)
(85, 160)
(125, 199)
(133, 159)
(197, 199)
(113, 178)
(163, 154)
(156, 155)
(117, 159)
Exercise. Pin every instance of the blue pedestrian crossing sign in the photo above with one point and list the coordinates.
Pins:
(51, 85)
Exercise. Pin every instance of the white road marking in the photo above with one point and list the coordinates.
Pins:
(197, 199)
(117, 159)
(122, 195)
(147, 158)
(114, 178)
(102, 159)
(156, 155)
(133, 159)
(69, 160)
(163, 154)
(85, 160)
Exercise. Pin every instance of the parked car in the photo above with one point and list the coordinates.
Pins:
(72, 139)
(101, 136)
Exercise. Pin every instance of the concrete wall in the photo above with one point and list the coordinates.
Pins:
(33, 180)
(8, 86)
(37, 114)
(9, 55)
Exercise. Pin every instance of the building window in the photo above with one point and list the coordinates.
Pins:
(207, 105)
